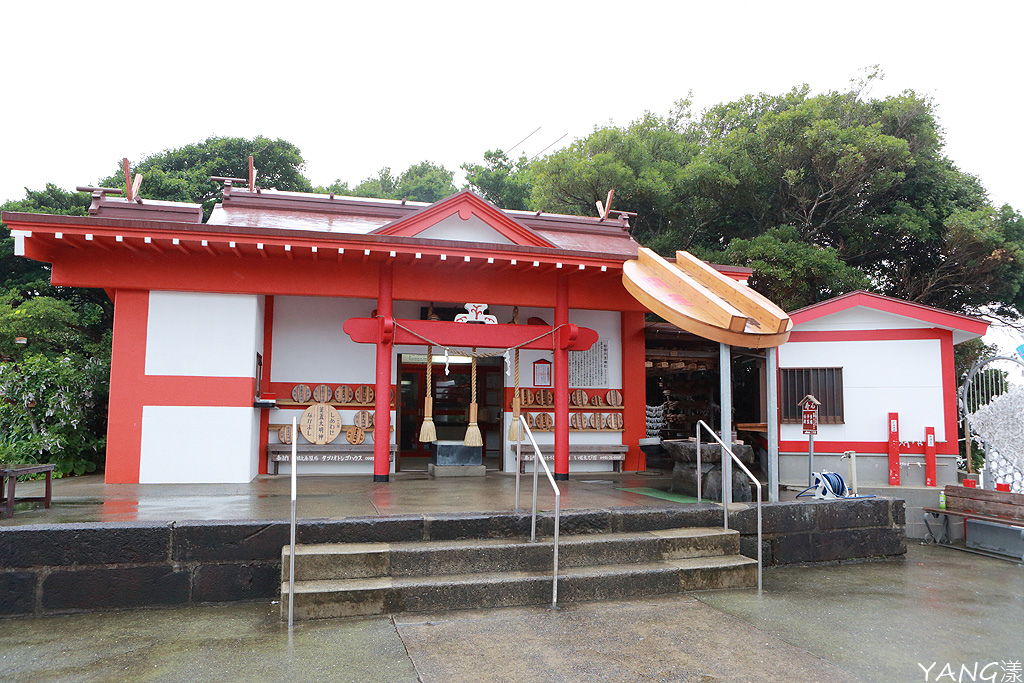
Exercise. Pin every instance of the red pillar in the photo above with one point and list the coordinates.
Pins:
(268, 344)
(894, 449)
(561, 382)
(382, 398)
(930, 474)
(634, 389)
(127, 395)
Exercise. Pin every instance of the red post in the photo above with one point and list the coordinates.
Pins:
(894, 449)
(930, 475)
(634, 388)
(268, 352)
(561, 388)
(382, 390)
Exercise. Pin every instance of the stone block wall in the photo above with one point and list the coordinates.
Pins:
(100, 566)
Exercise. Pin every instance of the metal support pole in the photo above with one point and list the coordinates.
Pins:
(291, 547)
(810, 459)
(725, 392)
(772, 390)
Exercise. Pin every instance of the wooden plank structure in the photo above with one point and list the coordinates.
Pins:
(695, 297)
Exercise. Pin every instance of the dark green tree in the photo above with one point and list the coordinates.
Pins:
(502, 182)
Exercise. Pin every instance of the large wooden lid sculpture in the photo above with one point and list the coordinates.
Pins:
(697, 298)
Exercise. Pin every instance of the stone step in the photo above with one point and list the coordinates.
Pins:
(385, 595)
(369, 560)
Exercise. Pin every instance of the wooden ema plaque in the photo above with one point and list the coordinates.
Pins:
(544, 397)
(613, 421)
(578, 421)
(355, 435)
(544, 421)
(320, 424)
(285, 435)
(363, 419)
(301, 393)
(596, 400)
(614, 398)
(364, 394)
(322, 393)
(578, 398)
(344, 394)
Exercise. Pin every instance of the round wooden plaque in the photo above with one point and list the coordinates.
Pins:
(613, 421)
(364, 419)
(344, 394)
(544, 421)
(355, 435)
(578, 398)
(320, 424)
(322, 393)
(301, 393)
(614, 398)
(578, 421)
(544, 397)
(285, 434)
(590, 417)
(525, 397)
(364, 394)
(596, 400)
(529, 420)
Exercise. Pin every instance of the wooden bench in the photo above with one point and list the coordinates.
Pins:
(9, 478)
(331, 452)
(1000, 508)
(616, 453)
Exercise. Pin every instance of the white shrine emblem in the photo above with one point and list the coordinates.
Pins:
(476, 315)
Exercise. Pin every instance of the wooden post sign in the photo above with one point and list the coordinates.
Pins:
(809, 412)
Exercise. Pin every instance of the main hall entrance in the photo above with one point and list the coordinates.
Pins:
(452, 396)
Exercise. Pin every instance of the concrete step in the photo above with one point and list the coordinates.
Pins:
(384, 595)
(430, 558)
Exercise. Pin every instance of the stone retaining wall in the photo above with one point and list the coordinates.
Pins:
(88, 567)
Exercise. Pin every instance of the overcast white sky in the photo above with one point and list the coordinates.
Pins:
(358, 86)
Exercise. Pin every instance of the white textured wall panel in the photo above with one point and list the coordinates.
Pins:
(203, 334)
(198, 445)
(879, 377)
(310, 345)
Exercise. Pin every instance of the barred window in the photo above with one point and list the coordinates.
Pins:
(825, 384)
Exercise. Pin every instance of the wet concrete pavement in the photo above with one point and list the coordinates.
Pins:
(870, 622)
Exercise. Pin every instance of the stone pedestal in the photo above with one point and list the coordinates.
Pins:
(455, 459)
(684, 472)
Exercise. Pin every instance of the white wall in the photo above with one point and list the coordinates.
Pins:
(472, 230)
(879, 377)
(194, 334)
(198, 444)
(862, 318)
(202, 334)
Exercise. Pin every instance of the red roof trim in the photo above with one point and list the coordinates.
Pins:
(928, 314)
(466, 204)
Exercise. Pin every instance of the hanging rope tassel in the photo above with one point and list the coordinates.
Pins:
(513, 429)
(428, 432)
(473, 436)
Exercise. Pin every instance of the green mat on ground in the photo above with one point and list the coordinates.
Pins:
(664, 495)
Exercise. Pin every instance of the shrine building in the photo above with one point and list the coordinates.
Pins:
(280, 302)
(365, 318)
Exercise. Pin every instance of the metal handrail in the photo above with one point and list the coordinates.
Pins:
(725, 509)
(539, 457)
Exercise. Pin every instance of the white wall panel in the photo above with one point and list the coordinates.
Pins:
(862, 318)
(310, 345)
(879, 377)
(472, 230)
(198, 445)
(203, 334)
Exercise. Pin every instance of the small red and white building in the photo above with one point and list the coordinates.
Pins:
(865, 356)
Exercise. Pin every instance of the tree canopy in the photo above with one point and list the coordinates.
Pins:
(817, 194)
(422, 182)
